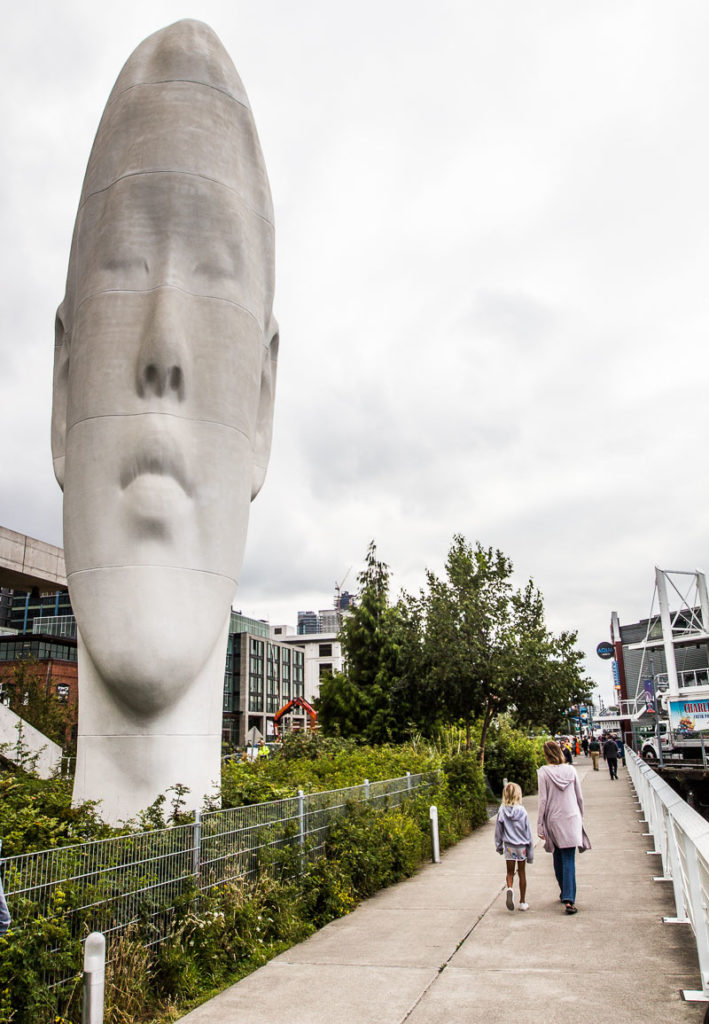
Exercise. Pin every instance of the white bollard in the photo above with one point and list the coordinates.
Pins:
(433, 815)
(94, 975)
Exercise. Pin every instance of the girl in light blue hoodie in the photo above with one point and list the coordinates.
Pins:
(513, 838)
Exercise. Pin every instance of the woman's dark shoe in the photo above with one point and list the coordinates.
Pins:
(571, 909)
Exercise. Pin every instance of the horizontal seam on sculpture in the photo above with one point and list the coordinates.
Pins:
(174, 287)
(191, 174)
(187, 81)
(154, 565)
(156, 412)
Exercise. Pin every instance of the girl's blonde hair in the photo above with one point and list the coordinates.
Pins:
(511, 794)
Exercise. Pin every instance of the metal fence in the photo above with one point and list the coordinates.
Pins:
(109, 884)
(681, 838)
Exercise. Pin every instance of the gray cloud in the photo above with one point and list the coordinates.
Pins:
(491, 236)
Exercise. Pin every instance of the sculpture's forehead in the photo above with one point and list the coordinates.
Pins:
(184, 127)
(188, 51)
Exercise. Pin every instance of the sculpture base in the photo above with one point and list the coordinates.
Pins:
(147, 766)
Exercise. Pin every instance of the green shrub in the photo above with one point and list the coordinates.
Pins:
(223, 934)
(512, 755)
(315, 763)
(466, 786)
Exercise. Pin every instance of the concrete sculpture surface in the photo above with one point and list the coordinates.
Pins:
(164, 376)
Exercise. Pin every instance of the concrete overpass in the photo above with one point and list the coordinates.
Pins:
(26, 563)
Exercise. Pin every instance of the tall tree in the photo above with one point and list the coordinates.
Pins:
(488, 649)
(358, 701)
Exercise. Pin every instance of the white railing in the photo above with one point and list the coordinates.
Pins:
(681, 838)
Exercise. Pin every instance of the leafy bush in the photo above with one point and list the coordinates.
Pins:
(316, 763)
(466, 785)
(36, 814)
(221, 935)
(512, 755)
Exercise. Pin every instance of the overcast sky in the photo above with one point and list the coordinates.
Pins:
(492, 234)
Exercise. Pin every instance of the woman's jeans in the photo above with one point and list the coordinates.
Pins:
(565, 871)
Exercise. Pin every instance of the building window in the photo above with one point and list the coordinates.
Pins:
(325, 669)
(325, 650)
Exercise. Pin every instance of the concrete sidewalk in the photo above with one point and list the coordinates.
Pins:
(441, 948)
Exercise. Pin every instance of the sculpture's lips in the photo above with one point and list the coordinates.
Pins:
(158, 456)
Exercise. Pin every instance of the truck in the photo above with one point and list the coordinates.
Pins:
(681, 732)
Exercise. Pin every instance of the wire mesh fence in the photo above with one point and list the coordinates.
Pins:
(109, 885)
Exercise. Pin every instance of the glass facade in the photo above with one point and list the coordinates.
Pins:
(15, 648)
(29, 605)
(260, 676)
(243, 624)
(55, 625)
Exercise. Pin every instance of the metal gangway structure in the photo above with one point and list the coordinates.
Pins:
(678, 624)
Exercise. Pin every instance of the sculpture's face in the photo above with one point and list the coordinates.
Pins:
(167, 382)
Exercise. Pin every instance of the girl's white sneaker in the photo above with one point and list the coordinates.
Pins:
(524, 906)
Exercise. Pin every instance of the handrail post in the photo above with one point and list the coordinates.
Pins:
(408, 781)
(433, 815)
(301, 828)
(93, 980)
(196, 845)
(366, 789)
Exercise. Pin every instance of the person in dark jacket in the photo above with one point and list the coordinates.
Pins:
(566, 751)
(610, 756)
(584, 746)
(621, 749)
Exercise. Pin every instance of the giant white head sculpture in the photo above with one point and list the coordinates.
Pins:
(164, 377)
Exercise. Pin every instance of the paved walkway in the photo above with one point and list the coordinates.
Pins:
(441, 948)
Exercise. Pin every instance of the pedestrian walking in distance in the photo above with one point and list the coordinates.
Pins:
(621, 749)
(513, 839)
(610, 756)
(560, 820)
(594, 748)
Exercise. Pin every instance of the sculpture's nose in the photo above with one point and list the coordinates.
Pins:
(163, 356)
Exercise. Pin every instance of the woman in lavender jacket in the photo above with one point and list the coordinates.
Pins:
(560, 820)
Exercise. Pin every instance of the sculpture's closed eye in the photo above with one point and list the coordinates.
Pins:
(126, 261)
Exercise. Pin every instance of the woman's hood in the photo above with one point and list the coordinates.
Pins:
(562, 775)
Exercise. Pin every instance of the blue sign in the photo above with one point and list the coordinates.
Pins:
(605, 650)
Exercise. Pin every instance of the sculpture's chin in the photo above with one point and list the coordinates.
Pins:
(149, 630)
(145, 686)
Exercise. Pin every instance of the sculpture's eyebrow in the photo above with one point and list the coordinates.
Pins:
(96, 292)
(168, 170)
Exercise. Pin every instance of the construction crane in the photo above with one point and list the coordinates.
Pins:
(338, 589)
(291, 706)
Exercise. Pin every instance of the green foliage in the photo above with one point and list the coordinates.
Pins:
(513, 756)
(359, 702)
(221, 935)
(26, 956)
(466, 787)
(36, 814)
(323, 763)
(486, 648)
